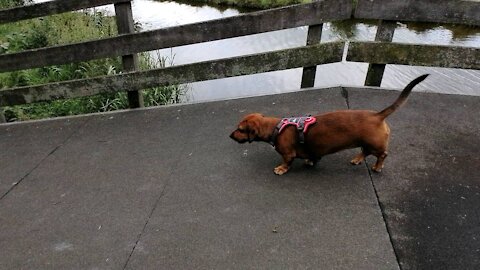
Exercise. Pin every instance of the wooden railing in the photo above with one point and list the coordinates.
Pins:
(127, 44)
(388, 12)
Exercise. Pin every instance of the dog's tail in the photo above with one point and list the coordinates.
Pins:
(402, 98)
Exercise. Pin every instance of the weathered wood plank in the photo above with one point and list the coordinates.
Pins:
(414, 55)
(247, 24)
(230, 67)
(438, 11)
(385, 31)
(313, 37)
(49, 8)
(125, 25)
(2, 116)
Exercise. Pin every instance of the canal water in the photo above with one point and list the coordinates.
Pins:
(149, 15)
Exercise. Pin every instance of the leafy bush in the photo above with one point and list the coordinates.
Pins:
(13, 3)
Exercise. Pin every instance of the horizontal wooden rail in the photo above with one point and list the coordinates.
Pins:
(252, 23)
(256, 63)
(315, 13)
(437, 11)
(414, 55)
(440, 11)
(50, 8)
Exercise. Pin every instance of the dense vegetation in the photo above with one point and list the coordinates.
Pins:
(68, 28)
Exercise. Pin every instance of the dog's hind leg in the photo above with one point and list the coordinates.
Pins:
(360, 157)
(379, 164)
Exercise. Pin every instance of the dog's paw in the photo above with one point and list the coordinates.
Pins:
(356, 161)
(377, 169)
(280, 170)
(309, 163)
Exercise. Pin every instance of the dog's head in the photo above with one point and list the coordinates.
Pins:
(248, 129)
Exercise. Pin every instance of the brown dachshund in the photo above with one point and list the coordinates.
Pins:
(332, 132)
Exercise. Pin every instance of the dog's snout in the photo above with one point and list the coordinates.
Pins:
(237, 137)
(233, 137)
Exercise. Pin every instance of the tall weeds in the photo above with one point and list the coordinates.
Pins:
(69, 28)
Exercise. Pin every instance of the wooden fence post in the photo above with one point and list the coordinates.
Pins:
(125, 25)
(385, 31)
(2, 116)
(313, 37)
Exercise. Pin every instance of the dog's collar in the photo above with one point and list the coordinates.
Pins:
(302, 123)
(276, 131)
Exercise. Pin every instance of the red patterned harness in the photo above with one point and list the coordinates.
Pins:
(302, 123)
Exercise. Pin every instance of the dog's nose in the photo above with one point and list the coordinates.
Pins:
(231, 136)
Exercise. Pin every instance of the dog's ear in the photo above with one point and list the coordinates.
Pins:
(252, 135)
(252, 130)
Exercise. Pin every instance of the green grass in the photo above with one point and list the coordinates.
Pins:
(13, 3)
(64, 29)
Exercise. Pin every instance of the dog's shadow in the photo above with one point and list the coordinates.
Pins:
(332, 181)
(335, 168)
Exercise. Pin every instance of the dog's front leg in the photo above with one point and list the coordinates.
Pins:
(287, 161)
(311, 162)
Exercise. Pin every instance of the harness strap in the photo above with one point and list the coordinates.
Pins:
(302, 124)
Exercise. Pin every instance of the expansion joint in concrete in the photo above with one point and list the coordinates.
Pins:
(382, 210)
(380, 206)
(146, 222)
(345, 96)
(43, 159)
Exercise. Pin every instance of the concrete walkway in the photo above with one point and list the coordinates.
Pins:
(166, 188)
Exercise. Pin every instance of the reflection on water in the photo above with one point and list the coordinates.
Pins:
(154, 14)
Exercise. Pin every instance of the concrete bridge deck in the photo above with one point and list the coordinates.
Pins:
(166, 188)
